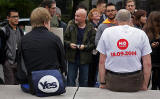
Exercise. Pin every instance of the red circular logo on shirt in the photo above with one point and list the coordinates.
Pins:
(122, 44)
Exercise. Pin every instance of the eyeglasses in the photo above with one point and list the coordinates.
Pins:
(111, 10)
(14, 17)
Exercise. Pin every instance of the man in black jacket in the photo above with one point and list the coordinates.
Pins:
(11, 37)
(41, 49)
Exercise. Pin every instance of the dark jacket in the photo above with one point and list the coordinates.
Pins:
(41, 50)
(2, 47)
(4, 35)
(70, 36)
(62, 25)
(155, 55)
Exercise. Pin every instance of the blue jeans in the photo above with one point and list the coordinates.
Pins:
(72, 74)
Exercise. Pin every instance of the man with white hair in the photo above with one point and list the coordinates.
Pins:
(121, 49)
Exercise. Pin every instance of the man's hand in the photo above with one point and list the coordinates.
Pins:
(73, 46)
(81, 47)
(155, 44)
(103, 86)
(144, 87)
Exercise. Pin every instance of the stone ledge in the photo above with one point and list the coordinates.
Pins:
(14, 92)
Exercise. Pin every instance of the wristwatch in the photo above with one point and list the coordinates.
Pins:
(102, 83)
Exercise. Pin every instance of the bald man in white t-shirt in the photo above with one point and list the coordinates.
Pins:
(121, 49)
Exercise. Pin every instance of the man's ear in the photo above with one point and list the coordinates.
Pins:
(115, 21)
(47, 25)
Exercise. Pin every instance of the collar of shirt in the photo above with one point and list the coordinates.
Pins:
(107, 21)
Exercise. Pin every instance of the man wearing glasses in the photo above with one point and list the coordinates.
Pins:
(12, 37)
(110, 21)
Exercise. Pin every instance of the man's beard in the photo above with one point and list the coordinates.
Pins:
(111, 18)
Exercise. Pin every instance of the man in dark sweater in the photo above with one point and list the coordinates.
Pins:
(41, 49)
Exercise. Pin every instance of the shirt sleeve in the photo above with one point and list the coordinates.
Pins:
(98, 34)
(101, 45)
(146, 48)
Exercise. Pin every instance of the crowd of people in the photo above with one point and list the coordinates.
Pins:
(120, 47)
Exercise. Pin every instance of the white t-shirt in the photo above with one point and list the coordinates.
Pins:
(124, 47)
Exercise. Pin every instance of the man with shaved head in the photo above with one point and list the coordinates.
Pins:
(79, 41)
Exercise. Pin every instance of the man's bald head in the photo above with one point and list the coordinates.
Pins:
(80, 16)
(82, 12)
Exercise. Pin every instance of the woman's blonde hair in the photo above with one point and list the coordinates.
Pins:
(90, 14)
(39, 16)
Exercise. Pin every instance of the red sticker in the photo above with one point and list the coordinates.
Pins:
(122, 44)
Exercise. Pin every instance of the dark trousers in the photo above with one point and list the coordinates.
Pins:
(155, 78)
(10, 73)
(73, 73)
(93, 71)
(1, 81)
(124, 83)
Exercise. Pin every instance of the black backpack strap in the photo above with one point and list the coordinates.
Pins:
(6, 31)
(4, 34)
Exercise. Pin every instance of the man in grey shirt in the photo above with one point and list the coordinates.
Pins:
(13, 36)
(109, 22)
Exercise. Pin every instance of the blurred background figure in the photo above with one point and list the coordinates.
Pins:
(131, 6)
(101, 6)
(50, 5)
(139, 18)
(152, 28)
(61, 23)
